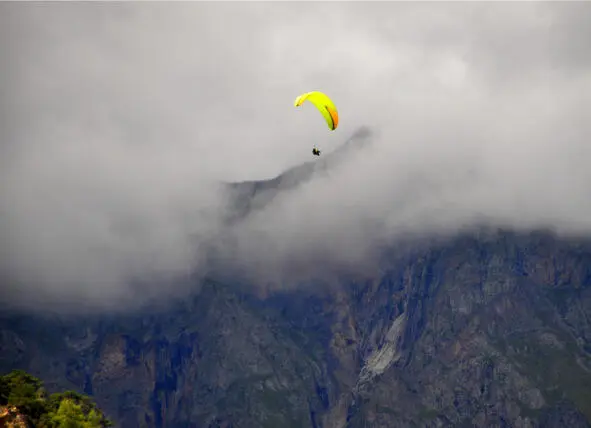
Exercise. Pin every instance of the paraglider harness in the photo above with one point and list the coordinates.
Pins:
(315, 152)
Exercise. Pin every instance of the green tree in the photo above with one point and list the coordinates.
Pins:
(23, 391)
(67, 409)
(71, 407)
(71, 415)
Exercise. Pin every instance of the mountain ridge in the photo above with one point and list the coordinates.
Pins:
(472, 331)
(485, 327)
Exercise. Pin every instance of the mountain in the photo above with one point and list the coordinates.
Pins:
(248, 196)
(487, 328)
(485, 331)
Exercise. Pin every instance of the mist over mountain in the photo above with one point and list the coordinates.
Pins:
(485, 329)
(121, 124)
(170, 246)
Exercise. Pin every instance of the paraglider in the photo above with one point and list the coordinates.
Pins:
(326, 108)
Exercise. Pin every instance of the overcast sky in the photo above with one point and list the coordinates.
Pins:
(117, 118)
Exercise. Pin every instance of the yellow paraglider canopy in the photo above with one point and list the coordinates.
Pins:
(323, 104)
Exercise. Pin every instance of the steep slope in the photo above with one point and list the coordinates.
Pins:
(248, 196)
(485, 341)
(208, 362)
(489, 330)
(485, 329)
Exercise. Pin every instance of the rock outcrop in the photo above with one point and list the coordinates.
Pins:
(491, 331)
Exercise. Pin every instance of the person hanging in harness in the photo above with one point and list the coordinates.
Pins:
(325, 106)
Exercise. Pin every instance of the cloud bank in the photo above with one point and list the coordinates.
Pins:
(118, 122)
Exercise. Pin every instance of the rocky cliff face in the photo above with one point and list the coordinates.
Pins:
(485, 329)
(486, 340)
(489, 330)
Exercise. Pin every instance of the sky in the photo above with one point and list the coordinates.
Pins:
(118, 121)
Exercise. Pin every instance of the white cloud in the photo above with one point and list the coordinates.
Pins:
(116, 118)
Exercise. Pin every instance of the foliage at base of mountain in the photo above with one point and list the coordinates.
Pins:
(24, 403)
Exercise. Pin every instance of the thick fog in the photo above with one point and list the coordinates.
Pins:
(120, 121)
